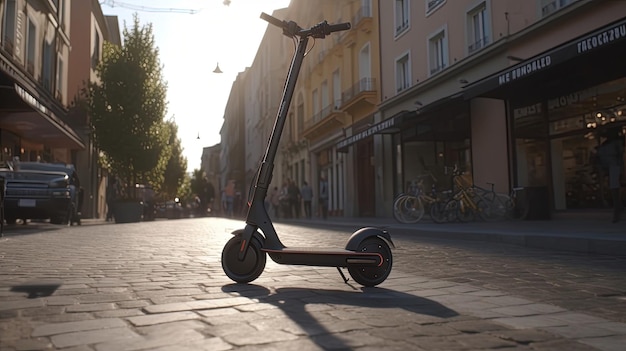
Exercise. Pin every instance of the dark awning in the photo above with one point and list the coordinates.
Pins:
(24, 113)
(389, 126)
(575, 62)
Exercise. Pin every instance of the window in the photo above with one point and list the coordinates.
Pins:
(402, 16)
(403, 73)
(325, 95)
(300, 114)
(336, 89)
(550, 6)
(31, 47)
(95, 57)
(8, 39)
(47, 66)
(438, 55)
(432, 5)
(60, 78)
(316, 105)
(478, 31)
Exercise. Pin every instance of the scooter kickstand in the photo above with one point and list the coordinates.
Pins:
(345, 280)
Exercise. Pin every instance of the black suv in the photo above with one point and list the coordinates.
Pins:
(36, 190)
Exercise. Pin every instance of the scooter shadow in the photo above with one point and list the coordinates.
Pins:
(306, 307)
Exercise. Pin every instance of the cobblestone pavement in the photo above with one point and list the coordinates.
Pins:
(160, 286)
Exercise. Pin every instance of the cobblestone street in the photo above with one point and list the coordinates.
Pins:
(160, 286)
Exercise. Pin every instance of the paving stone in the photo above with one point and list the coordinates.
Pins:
(101, 297)
(527, 322)
(60, 328)
(92, 337)
(579, 331)
(126, 312)
(608, 343)
(173, 327)
(90, 307)
(162, 318)
(524, 336)
(210, 344)
(198, 305)
(32, 344)
(258, 337)
(561, 344)
(150, 342)
(21, 304)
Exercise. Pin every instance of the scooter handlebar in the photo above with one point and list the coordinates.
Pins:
(318, 31)
(338, 27)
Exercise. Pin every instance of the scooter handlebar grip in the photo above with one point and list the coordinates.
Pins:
(339, 27)
(273, 20)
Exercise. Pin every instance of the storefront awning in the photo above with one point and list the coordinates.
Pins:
(27, 116)
(389, 126)
(588, 51)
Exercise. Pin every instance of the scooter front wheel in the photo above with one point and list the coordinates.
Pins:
(369, 275)
(252, 265)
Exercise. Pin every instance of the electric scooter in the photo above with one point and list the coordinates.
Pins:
(367, 254)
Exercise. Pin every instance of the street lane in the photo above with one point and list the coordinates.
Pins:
(161, 284)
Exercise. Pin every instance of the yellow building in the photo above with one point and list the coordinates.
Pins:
(336, 96)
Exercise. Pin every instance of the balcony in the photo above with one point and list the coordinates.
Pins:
(329, 118)
(363, 19)
(477, 45)
(437, 69)
(401, 27)
(362, 93)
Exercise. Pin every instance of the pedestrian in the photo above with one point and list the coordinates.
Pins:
(111, 194)
(229, 193)
(295, 199)
(323, 197)
(275, 201)
(611, 156)
(307, 197)
(285, 202)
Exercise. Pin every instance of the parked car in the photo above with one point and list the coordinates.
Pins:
(173, 209)
(36, 190)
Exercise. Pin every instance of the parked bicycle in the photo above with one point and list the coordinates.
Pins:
(470, 202)
(411, 206)
(517, 205)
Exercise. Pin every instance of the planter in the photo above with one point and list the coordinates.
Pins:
(127, 211)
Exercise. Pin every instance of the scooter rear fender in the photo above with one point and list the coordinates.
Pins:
(364, 233)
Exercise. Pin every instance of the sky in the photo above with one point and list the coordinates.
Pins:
(193, 36)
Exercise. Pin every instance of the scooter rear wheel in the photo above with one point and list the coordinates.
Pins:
(252, 265)
(369, 275)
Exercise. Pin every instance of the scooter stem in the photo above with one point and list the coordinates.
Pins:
(257, 213)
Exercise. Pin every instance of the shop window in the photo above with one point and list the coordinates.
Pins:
(478, 28)
(401, 17)
(438, 52)
(403, 73)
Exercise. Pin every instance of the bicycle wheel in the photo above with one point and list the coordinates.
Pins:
(516, 209)
(464, 212)
(408, 209)
(444, 211)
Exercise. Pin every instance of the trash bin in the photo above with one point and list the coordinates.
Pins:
(538, 201)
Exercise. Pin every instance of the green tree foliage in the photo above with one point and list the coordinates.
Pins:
(127, 107)
(176, 168)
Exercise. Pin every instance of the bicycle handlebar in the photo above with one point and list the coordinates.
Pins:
(292, 29)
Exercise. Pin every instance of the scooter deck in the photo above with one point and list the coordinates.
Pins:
(327, 257)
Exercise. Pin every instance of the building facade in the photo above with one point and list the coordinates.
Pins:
(514, 93)
(511, 92)
(34, 56)
(90, 29)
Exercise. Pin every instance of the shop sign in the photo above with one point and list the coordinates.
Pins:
(603, 38)
(525, 69)
(526, 111)
(26, 96)
(609, 35)
(377, 128)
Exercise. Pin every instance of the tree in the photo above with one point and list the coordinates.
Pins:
(176, 168)
(127, 107)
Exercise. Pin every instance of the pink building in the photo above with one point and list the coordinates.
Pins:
(513, 92)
